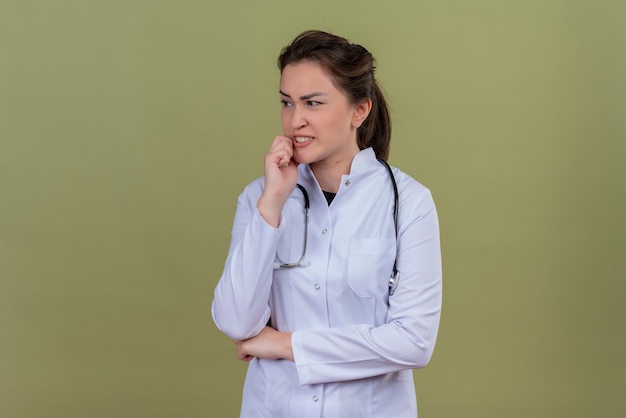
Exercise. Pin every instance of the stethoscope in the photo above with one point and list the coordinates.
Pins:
(395, 276)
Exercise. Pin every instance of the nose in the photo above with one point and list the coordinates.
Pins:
(298, 118)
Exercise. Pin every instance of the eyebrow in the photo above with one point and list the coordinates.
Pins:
(305, 97)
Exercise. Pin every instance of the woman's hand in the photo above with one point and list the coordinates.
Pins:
(281, 175)
(269, 344)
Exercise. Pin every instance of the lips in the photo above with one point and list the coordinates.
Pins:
(303, 139)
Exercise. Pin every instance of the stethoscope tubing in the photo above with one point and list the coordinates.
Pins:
(393, 280)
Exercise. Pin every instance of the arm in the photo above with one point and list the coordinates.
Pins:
(408, 337)
(406, 341)
(240, 305)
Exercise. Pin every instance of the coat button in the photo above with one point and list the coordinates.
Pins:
(315, 398)
(317, 286)
(324, 231)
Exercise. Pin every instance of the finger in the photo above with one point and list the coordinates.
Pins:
(279, 156)
(242, 354)
(282, 151)
(282, 139)
(281, 143)
(283, 157)
(245, 357)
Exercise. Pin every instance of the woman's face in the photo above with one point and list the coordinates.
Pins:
(317, 116)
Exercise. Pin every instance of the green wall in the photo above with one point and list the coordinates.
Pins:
(128, 128)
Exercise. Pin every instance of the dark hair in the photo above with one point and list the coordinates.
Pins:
(351, 67)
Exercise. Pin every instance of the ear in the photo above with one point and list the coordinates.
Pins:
(361, 111)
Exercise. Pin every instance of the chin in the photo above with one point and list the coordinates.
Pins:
(303, 158)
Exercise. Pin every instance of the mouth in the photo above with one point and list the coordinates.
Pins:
(302, 139)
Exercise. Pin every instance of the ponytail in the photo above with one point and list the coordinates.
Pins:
(375, 131)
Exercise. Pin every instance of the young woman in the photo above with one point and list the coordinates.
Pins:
(330, 298)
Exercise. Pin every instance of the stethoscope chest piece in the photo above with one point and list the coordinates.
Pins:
(393, 282)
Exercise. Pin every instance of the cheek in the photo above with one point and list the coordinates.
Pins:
(284, 121)
(341, 122)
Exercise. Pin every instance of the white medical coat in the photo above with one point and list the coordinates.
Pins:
(354, 345)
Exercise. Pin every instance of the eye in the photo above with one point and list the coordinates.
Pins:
(312, 103)
(285, 103)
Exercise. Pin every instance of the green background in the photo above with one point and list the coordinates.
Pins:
(128, 128)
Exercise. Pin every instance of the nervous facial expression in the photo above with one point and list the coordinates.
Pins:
(318, 116)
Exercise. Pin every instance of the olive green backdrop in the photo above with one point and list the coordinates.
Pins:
(128, 128)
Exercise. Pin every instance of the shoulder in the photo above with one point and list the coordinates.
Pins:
(414, 196)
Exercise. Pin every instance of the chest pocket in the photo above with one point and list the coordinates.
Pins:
(370, 262)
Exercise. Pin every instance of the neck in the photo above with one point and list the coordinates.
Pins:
(328, 174)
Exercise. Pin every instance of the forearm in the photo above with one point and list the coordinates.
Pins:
(270, 208)
(240, 305)
(268, 344)
(362, 351)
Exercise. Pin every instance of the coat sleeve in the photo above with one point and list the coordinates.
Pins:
(407, 338)
(240, 306)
